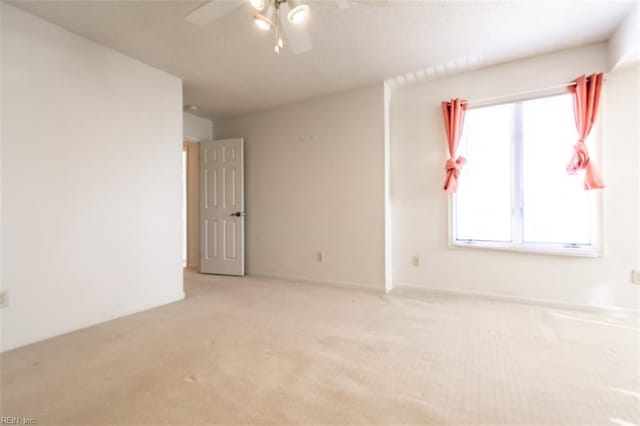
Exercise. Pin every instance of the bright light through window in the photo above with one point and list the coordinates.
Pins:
(514, 191)
(556, 206)
(484, 199)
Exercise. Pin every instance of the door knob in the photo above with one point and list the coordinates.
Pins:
(238, 214)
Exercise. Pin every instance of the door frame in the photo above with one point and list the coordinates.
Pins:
(192, 148)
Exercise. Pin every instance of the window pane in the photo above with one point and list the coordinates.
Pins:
(556, 208)
(483, 200)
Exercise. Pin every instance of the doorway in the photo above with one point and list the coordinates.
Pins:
(191, 203)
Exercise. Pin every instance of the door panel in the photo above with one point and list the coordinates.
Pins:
(222, 206)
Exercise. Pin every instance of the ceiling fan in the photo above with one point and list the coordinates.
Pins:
(283, 16)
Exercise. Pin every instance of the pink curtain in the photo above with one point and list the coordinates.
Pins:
(586, 100)
(453, 113)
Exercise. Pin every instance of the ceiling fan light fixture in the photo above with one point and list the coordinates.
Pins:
(264, 21)
(298, 12)
(258, 4)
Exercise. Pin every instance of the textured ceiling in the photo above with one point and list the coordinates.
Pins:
(229, 68)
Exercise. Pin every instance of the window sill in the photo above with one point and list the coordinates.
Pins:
(548, 249)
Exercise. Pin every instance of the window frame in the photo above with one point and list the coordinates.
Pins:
(517, 243)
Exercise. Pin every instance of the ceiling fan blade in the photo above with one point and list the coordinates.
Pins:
(297, 35)
(212, 11)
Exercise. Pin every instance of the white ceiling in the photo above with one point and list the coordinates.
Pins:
(229, 68)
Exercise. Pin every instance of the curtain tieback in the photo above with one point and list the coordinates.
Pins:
(580, 158)
(453, 167)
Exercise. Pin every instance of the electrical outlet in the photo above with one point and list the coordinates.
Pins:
(320, 256)
(4, 298)
(635, 276)
(415, 260)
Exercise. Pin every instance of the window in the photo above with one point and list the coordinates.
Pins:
(514, 191)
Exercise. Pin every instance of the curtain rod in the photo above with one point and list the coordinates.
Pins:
(526, 92)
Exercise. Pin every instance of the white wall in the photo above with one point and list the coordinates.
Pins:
(315, 182)
(91, 182)
(419, 206)
(622, 130)
(624, 45)
(196, 129)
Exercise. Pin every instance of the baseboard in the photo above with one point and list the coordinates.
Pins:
(129, 310)
(400, 288)
(340, 284)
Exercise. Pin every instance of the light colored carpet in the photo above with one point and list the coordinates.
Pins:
(262, 351)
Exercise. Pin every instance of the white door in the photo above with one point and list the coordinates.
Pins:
(222, 207)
